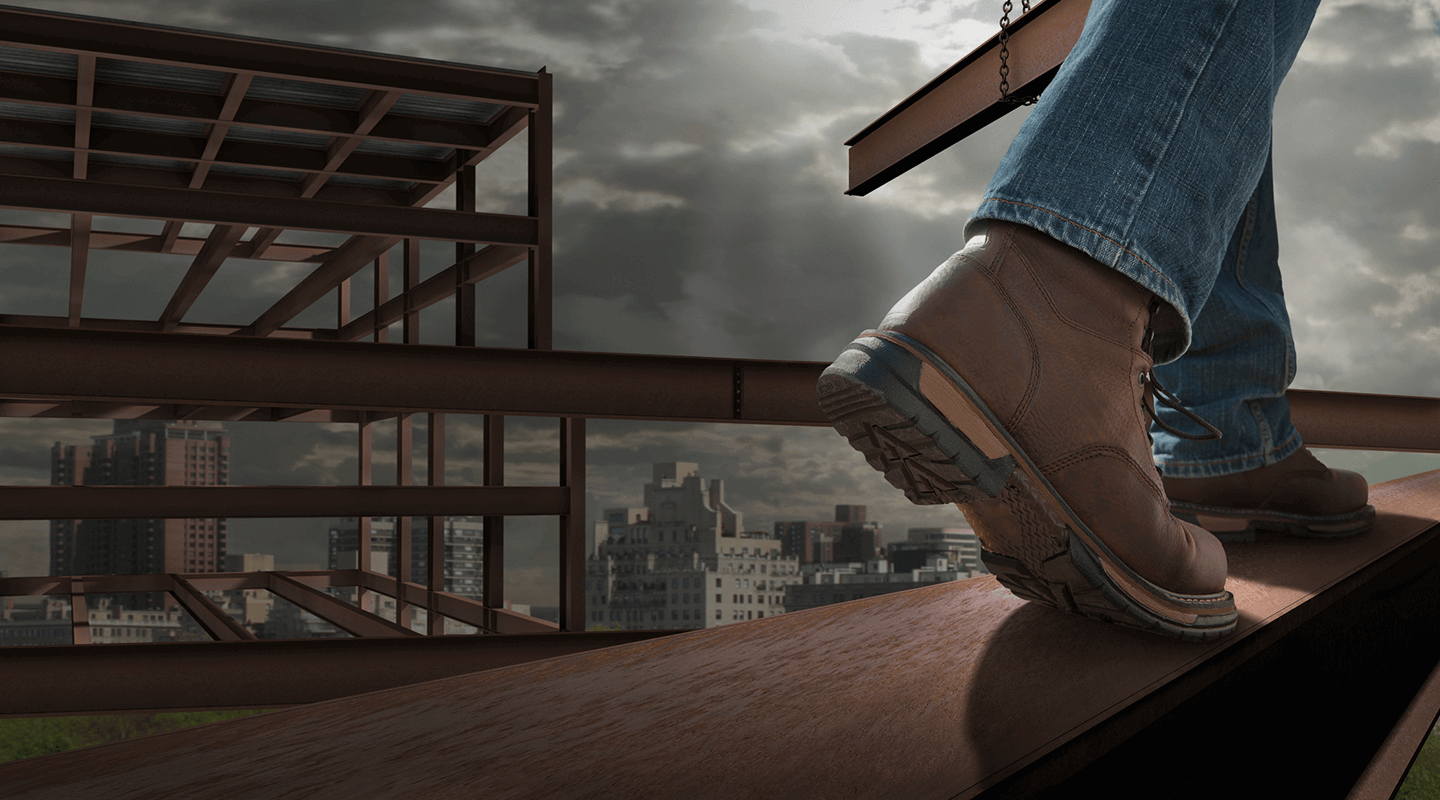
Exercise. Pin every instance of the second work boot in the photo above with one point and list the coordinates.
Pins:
(1299, 496)
(1015, 382)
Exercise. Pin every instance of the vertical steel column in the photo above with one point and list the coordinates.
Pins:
(382, 291)
(362, 532)
(404, 476)
(492, 546)
(540, 133)
(435, 557)
(464, 294)
(362, 538)
(540, 173)
(79, 613)
(411, 265)
(572, 525)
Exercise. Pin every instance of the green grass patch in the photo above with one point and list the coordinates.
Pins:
(39, 736)
(1422, 782)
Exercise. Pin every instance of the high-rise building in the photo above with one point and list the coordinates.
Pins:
(464, 550)
(960, 546)
(683, 561)
(141, 453)
(848, 538)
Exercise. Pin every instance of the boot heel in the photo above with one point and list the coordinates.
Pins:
(871, 396)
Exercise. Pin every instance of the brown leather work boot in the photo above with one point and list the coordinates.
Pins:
(1299, 496)
(1011, 382)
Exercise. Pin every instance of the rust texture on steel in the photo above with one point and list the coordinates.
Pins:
(278, 502)
(136, 368)
(999, 682)
(189, 676)
(966, 97)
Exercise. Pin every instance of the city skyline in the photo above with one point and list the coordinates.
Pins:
(699, 175)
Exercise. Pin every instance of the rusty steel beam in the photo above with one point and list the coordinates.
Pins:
(475, 268)
(208, 370)
(236, 84)
(251, 502)
(572, 525)
(170, 234)
(492, 583)
(465, 292)
(155, 243)
(435, 477)
(500, 130)
(79, 256)
(192, 676)
(204, 152)
(84, 94)
(150, 326)
(350, 258)
(352, 620)
(239, 187)
(1025, 698)
(218, 245)
(188, 106)
(151, 368)
(211, 617)
(372, 109)
(226, 208)
(539, 194)
(79, 613)
(73, 33)
(966, 97)
(491, 619)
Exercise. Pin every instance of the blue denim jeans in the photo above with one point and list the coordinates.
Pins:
(1150, 151)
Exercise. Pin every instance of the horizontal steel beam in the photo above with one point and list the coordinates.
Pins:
(337, 612)
(193, 676)
(490, 261)
(250, 186)
(202, 205)
(191, 149)
(72, 33)
(41, 364)
(278, 502)
(154, 243)
(966, 97)
(1024, 698)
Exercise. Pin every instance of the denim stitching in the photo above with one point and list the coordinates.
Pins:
(1097, 233)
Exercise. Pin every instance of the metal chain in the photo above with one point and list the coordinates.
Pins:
(1005, 96)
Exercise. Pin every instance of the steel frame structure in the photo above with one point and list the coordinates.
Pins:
(1121, 698)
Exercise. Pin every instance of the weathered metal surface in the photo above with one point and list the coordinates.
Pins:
(187, 676)
(475, 268)
(77, 34)
(143, 367)
(966, 97)
(228, 208)
(152, 243)
(937, 692)
(220, 625)
(146, 502)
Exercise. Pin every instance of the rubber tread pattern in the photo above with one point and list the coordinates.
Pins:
(1028, 550)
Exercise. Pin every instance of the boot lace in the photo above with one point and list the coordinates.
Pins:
(1154, 390)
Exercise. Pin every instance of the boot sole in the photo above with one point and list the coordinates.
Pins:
(884, 394)
(1240, 525)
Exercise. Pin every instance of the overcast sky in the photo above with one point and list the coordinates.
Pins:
(700, 171)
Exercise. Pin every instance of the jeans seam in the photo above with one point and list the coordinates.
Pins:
(1122, 248)
(1264, 455)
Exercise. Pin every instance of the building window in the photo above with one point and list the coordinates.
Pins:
(717, 613)
(717, 599)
